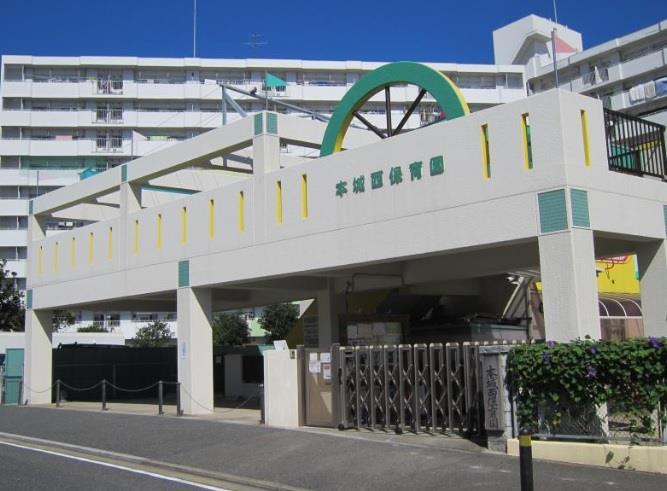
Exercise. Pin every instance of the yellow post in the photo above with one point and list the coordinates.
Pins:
(304, 196)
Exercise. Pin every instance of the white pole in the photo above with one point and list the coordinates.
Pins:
(194, 30)
(555, 13)
(553, 50)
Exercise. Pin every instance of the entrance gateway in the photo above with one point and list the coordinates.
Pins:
(447, 209)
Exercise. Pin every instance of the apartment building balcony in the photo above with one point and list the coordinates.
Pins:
(17, 266)
(13, 207)
(45, 119)
(643, 64)
(33, 177)
(13, 238)
(65, 147)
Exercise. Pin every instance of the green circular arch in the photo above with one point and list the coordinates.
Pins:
(443, 90)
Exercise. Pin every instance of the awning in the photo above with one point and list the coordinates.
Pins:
(615, 306)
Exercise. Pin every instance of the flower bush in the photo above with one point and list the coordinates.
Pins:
(630, 374)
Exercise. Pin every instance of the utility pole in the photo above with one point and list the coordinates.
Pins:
(194, 30)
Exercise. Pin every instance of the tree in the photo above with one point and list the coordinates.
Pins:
(230, 330)
(12, 311)
(92, 328)
(63, 319)
(278, 319)
(154, 335)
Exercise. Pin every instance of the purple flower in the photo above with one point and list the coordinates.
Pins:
(654, 342)
(551, 343)
(592, 350)
(546, 357)
(591, 372)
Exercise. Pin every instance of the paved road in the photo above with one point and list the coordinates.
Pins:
(302, 459)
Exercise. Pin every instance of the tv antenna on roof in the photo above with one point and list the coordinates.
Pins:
(255, 40)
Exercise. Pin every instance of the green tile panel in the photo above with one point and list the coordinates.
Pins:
(123, 173)
(579, 201)
(272, 123)
(259, 123)
(28, 299)
(664, 210)
(183, 273)
(553, 211)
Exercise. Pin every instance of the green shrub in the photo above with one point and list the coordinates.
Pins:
(630, 374)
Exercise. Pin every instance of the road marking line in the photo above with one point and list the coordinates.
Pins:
(116, 466)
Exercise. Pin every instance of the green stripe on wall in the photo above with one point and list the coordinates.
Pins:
(553, 211)
(579, 201)
(664, 209)
(28, 299)
(123, 173)
(183, 273)
(259, 123)
(30, 207)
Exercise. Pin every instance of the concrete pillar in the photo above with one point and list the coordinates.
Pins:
(265, 159)
(329, 308)
(652, 261)
(130, 198)
(569, 285)
(37, 374)
(195, 349)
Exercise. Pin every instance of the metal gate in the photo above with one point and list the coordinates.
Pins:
(417, 387)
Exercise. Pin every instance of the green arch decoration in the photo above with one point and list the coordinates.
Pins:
(443, 90)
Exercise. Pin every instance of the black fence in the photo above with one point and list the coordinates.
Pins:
(635, 145)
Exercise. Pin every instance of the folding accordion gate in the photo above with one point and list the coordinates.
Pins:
(431, 388)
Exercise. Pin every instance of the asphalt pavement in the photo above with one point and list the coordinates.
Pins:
(273, 456)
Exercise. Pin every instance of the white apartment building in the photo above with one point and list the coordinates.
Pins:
(628, 74)
(62, 118)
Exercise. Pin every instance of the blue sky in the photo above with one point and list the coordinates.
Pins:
(340, 29)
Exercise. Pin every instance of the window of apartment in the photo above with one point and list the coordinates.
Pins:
(8, 253)
(157, 76)
(325, 78)
(514, 81)
(13, 72)
(11, 103)
(12, 162)
(9, 192)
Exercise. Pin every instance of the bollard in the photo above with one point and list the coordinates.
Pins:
(179, 412)
(159, 398)
(261, 404)
(526, 460)
(58, 393)
(104, 395)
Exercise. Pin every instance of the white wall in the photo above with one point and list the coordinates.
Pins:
(281, 389)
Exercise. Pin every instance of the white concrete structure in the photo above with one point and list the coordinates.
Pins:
(451, 202)
(61, 115)
(628, 74)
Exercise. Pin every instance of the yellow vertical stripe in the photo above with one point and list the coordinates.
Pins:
(184, 225)
(211, 219)
(304, 196)
(241, 211)
(40, 259)
(279, 202)
(486, 156)
(91, 248)
(72, 253)
(584, 132)
(55, 258)
(110, 244)
(527, 143)
(158, 237)
(135, 246)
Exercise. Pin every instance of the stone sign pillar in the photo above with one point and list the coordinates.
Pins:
(498, 415)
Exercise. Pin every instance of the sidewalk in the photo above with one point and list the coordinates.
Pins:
(312, 459)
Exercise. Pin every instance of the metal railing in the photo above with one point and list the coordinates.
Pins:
(109, 116)
(109, 86)
(109, 144)
(634, 145)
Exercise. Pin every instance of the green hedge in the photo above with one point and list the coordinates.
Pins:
(631, 374)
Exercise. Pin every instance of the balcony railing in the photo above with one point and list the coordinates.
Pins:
(109, 116)
(109, 86)
(635, 145)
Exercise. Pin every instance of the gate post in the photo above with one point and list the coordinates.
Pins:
(336, 385)
(498, 417)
